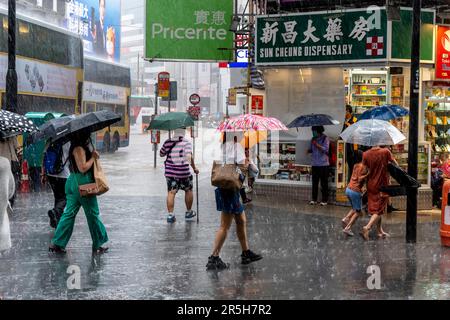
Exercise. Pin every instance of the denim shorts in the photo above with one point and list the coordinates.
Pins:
(355, 199)
(229, 201)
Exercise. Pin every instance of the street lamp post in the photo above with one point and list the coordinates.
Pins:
(411, 206)
(11, 76)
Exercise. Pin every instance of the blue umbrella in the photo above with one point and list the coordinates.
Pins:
(386, 112)
(310, 120)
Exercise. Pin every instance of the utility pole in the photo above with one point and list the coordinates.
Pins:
(138, 76)
(250, 53)
(156, 113)
(411, 207)
(11, 76)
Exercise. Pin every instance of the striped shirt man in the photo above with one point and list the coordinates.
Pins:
(176, 150)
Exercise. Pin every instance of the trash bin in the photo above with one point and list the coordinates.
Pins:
(445, 215)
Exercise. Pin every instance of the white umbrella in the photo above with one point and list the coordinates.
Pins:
(372, 132)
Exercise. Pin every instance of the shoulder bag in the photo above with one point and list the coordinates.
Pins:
(98, 187)
(227, 176)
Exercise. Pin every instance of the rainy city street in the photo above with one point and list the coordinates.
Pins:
(306, 256)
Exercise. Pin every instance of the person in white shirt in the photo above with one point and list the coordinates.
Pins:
(7, 187)
(57, 180)
(228, 202)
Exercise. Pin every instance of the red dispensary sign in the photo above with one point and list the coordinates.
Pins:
(443, 52)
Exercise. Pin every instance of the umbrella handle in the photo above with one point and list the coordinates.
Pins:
(196, 187)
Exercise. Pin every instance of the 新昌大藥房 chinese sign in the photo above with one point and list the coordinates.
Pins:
(321, 37)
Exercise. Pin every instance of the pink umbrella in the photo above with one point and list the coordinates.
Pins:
(248, 122)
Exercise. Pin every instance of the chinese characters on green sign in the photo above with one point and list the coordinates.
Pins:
(350, 36)
(189, 30)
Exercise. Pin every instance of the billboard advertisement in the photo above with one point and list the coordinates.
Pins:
(193, 30)
(98, 23)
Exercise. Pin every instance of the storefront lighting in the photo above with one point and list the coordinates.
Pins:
(24, 28)
(5, 23)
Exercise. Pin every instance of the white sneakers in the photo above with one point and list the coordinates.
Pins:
(323, 204)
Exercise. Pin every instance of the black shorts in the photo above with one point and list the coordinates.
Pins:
(185, 184)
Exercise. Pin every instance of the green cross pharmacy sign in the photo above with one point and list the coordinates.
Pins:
(336, 37)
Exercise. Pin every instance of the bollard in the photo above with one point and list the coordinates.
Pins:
(24, 181)
(445, 215)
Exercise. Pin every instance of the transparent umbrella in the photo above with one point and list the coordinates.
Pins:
(372, 132)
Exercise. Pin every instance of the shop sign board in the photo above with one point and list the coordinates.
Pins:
(350, 36)
(257, 104)
(163, 84)
(322, 37)
(191, 30)
(443, 53)
(401, 30)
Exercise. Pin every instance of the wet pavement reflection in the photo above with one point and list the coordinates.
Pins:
(306, 256)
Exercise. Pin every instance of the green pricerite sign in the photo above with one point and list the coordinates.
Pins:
(189, 30)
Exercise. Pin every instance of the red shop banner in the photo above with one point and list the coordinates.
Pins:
(257, 104)
(443, 52)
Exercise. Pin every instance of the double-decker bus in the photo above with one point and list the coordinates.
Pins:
(49, 66)
(106, 86)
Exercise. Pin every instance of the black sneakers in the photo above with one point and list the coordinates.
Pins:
(249, 256)
(53, 221)
(215, 263)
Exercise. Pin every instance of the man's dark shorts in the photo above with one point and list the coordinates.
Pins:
(185, 184)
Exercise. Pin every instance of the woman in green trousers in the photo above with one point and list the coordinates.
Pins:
(82, 163)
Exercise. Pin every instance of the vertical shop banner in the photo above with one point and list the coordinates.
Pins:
(443, 53)
(163, 84)
(257, 104)
(194, 30)
(322, 37)
(98, 23)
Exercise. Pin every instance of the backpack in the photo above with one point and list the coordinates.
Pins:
(53, 159)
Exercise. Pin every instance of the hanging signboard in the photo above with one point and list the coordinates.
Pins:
(318, 37)
(163, 84)
(350, 36)
(443, 52)
(257, 104)
(193, 30)
(232, 96)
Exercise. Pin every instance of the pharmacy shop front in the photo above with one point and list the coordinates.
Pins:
(320, 62)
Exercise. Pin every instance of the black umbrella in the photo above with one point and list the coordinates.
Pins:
(14, 122)
(51, 129)
(310, 120)
(64, 128)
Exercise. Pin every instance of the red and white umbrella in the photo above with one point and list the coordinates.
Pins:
(248, 122)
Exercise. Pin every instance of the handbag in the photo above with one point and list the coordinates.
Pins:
(96, 188)
(227, 176)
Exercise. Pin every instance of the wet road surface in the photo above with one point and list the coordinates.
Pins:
(306, 256)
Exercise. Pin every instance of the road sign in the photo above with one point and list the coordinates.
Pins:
(194, 99)
(172, 92)
(163, 84)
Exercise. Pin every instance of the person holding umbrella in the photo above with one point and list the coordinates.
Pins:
(178, 153)
(81, 159)
(320, 145)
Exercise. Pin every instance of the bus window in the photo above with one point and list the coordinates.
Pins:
(89, 107)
